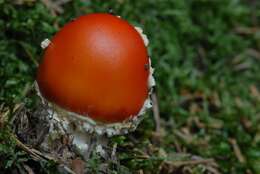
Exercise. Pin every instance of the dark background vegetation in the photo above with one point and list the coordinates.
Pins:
(206, 55)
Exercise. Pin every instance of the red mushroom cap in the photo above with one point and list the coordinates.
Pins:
(96, 66)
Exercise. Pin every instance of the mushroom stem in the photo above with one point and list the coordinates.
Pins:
(85, 143)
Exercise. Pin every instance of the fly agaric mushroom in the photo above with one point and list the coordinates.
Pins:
(96, 74)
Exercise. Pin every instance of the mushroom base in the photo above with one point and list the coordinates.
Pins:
(43, 136)
(84, 141)
(87, 134)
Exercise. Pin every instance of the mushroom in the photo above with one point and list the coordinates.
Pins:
(96, 77)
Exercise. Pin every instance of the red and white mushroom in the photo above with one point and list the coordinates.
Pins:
(96, 74)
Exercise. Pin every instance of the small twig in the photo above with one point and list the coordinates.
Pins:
(113, 154)
(254, 53)
(29, 54)
(61, 2)
(243, 66)
(28, 169)
(237, 150)
(190, 162)
(156, 112)
(177, 146)
(186, 165)
(247, 30)
(187, 138)
(65, 169)
(3, 115)
(37, 155)
(26, 149)
(22, 2)
(248, 171)
(212, 170)
(140, 171)
(17, 110)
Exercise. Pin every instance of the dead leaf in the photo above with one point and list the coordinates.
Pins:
(78, 166)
